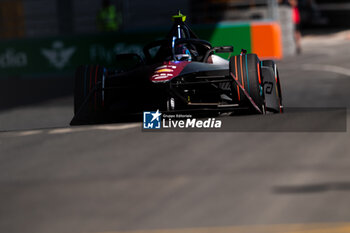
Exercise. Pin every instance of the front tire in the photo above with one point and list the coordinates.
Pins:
(278, 92)
(247, 71)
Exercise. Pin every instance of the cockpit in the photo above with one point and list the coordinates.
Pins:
(182, 44)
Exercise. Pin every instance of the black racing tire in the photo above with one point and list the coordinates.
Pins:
(88, 98)
(272, 64)
(246, 69)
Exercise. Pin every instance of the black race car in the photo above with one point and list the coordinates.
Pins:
(180, 73)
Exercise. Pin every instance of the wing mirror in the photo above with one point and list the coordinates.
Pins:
(223, 49)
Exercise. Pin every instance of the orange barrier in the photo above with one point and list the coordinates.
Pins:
(266, 40)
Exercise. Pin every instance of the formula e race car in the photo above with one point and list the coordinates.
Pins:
(180, 73)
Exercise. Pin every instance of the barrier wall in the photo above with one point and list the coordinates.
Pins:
(60, 56)
(266, 40)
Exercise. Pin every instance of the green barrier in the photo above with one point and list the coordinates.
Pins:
(55, 56)
(237, 35)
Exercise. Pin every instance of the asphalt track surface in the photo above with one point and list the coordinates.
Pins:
(115, 178)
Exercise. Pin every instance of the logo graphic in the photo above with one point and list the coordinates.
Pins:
(99, 52)
(58, 55)
(12, 58)
(268, 87)
(151, 120)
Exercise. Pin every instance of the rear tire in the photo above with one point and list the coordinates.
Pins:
(88, 95)
(246, 68)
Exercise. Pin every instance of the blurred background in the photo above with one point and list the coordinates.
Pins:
(39, 18)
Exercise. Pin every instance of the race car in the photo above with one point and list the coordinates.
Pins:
(180, 73)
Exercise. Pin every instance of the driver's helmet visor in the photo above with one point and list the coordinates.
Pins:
(182, 53)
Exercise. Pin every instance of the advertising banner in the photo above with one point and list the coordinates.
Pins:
(61, 55)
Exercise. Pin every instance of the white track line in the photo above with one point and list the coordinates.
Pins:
(327, 68)
(62, 131)
(73, 130)
(99, 127)
(30, 132)
(116, 127)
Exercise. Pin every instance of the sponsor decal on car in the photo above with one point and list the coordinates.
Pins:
(164, 70)
(167, 71)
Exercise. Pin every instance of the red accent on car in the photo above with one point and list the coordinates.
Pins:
(168, 71)
(95, 87)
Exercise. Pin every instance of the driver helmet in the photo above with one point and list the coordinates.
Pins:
(182, 53)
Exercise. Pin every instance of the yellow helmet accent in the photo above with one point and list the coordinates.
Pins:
(179, 16)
